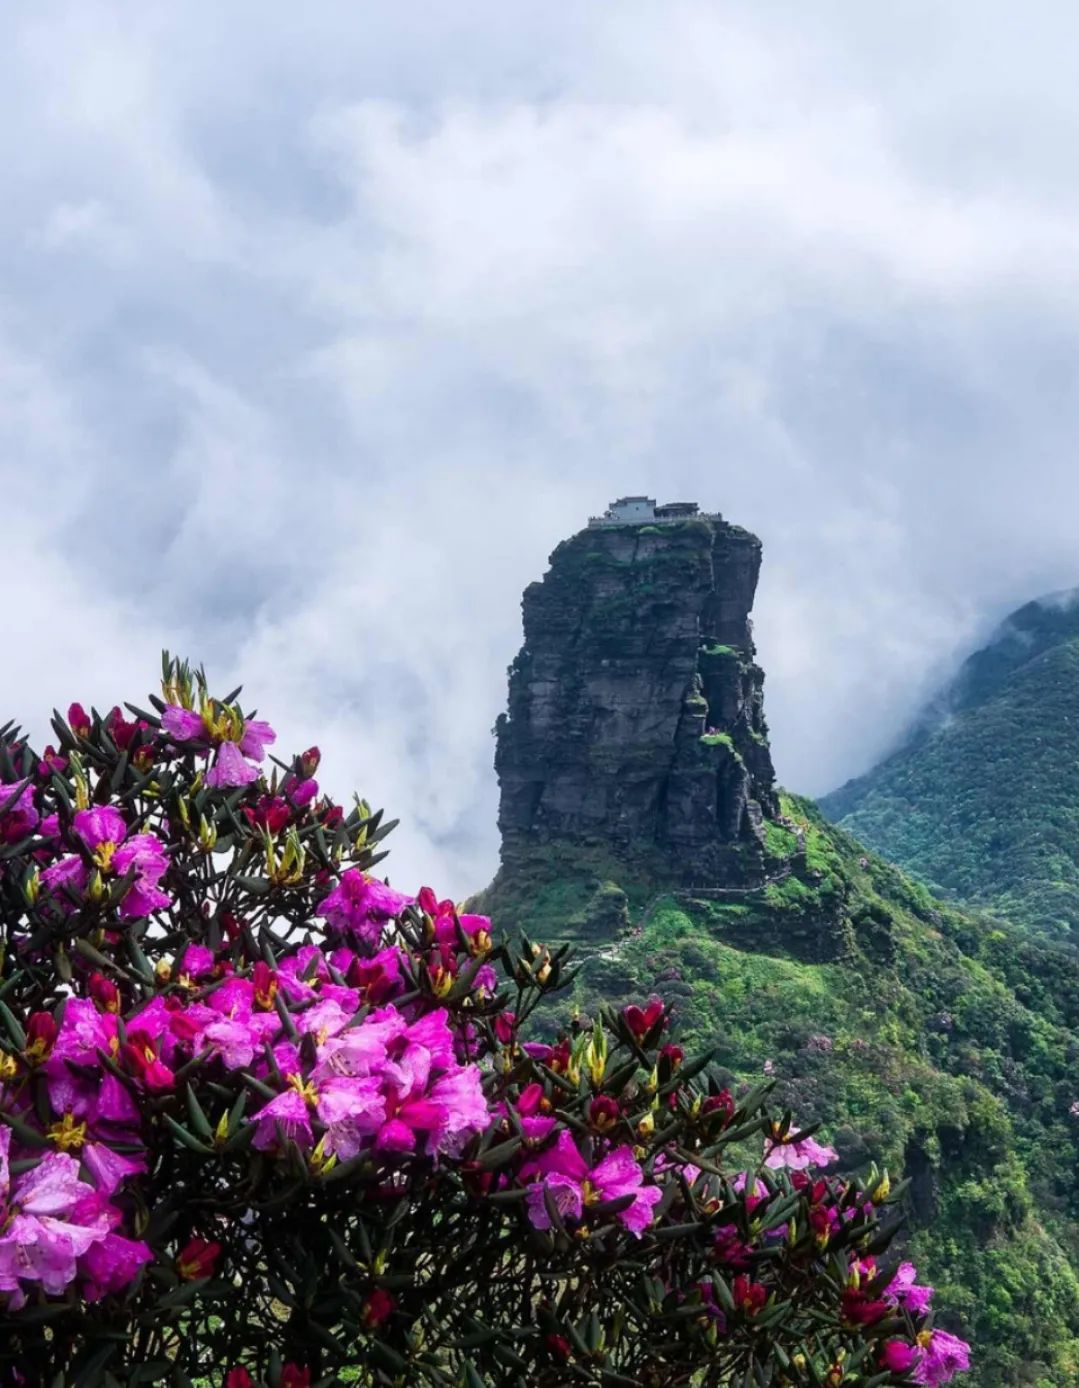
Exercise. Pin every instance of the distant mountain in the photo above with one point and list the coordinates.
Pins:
(640, 821)
(982, 799)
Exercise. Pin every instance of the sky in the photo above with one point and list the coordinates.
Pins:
(321, 325)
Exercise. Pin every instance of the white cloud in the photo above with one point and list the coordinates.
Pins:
(324, 328)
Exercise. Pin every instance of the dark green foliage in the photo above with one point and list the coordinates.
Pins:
(931, 1042)
(983, 799)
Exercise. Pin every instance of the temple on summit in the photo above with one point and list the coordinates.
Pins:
(642, 510)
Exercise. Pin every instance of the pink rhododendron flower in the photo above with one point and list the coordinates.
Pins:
(230, 768)
(111, 1264)
(905, 1291)
(300, 793)
(145, 855)
(109, 1168)
(899, 1357)
(64, 880)
(285, 1118)
(182, 724)
(565, 1178)
(78, 720)
(798, 1153)
(361, 905)
(944, 1356)
(144, 1060)
(18, 814)
(39, 1241)
(101, 829)
(353, 1110)
(257, 736)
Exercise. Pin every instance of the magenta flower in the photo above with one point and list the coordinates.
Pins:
(945, 1356)
(104, 833)
(353, 1110)
(38, 1244)
(230, 768)
(904, 1291)
(257, 736)
(361, 905)
(286, 1118)
(566, 1180)
(182, 724)
(797, 1153)
(300, 793)
(101, 829)
(108, 1266)
(65, 880)
(899, 1357)
(110, 1169)
(145, 853)
(18, 814)
(463, 1111)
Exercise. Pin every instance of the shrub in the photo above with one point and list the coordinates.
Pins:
(266, 1119)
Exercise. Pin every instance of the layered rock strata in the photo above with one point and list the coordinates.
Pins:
(635, 717)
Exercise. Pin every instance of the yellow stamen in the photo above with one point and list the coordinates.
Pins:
(306, 1090)
(103, 855)
(68, 1135)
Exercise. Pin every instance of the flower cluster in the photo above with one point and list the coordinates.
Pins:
(264, 1118)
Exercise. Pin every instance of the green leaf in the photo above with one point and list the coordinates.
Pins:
(188, 1139)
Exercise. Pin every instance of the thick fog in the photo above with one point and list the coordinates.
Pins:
(321, 325)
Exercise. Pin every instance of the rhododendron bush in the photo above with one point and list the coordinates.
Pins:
(268, 1121)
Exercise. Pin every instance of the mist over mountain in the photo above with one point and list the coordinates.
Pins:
(981, 799)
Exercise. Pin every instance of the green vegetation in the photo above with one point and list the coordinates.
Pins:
(934, 1042)
(719, 740)
(983, 802)
(779, 841)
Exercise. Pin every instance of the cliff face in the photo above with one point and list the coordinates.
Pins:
(635, 715)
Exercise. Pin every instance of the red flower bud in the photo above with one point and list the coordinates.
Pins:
(641, 1020)
(105, 993)
(604, 1112)
(859, 1309)
(505, 1023)
(721, 1104)
(378, 1307)
(292, 1376)
(41, 1033)
(749, 1296)
(140, 1053)
(672, 1054)
(530, 1099)
(230, 925)
(309, 761)
(559, 1347)
(197, 1260)
(79, 720)
(121, 730)
(51, 761)
(265, 981)
(239, 1378)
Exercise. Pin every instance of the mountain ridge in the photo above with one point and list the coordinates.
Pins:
(924, 1037)
(981, 800)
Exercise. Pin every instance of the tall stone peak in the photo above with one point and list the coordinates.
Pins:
(635, 719)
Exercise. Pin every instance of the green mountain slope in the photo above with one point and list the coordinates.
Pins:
(924, 1039)
(982, 801)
